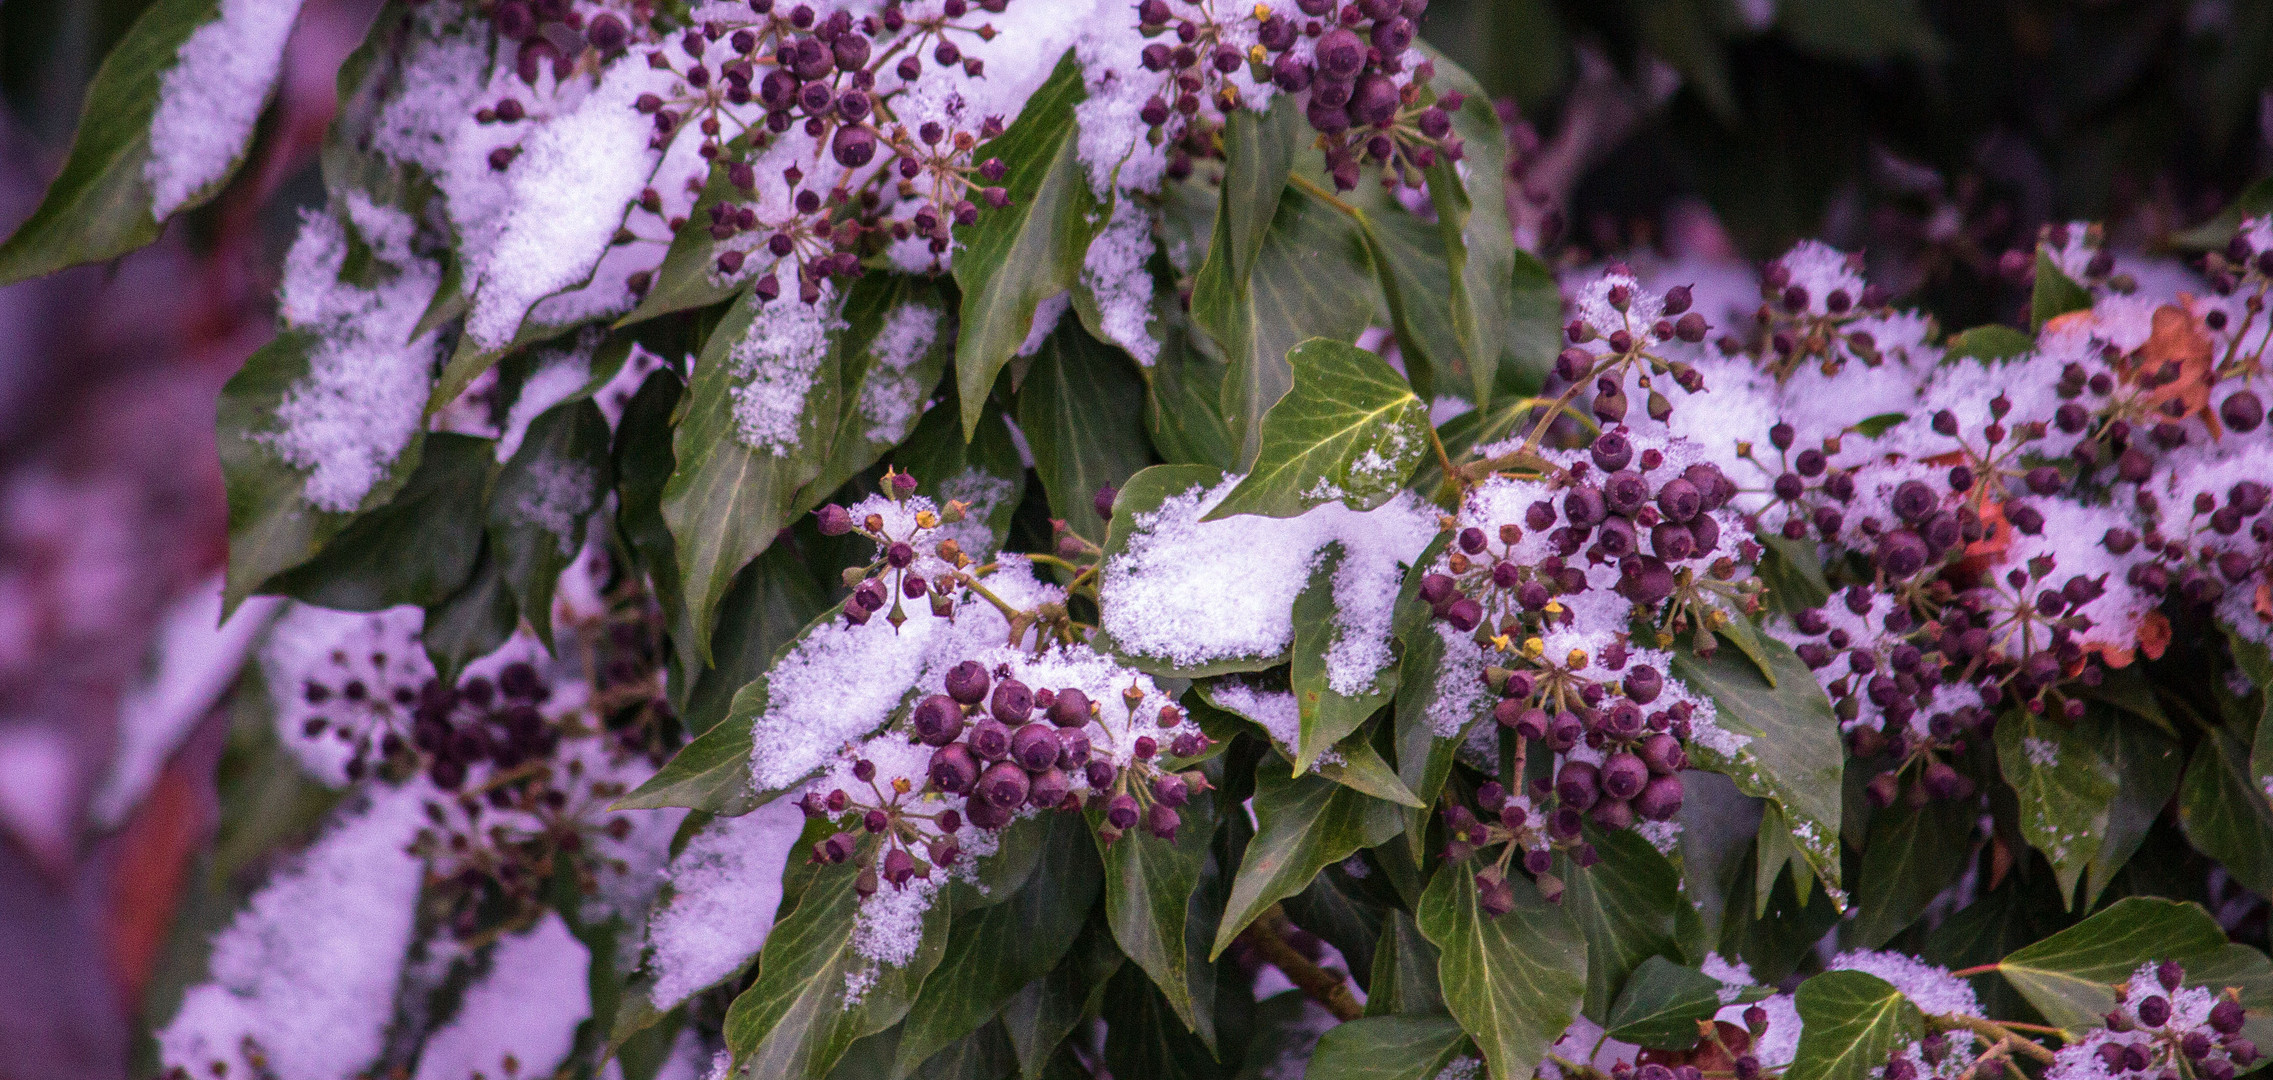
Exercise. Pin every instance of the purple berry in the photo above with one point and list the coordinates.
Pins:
(938, 720)
(953, 769)
(1624, 775)
(990, 740)
(1012, 702)
(967, 682)
(1121, 813)
(1660, 800)
(1004, 783)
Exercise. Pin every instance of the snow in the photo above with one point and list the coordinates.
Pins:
(306, 973)
(1193, 593)
(346, 421)
(726, 890)
(891, 398)
(563, 493)
(521, 1017)
(317, 646)
(567, 193)
(774, 365)
(1046, 316)
(1932, 989)
(196, 660)
(559, 375)
(210, 98)
(1114, 272)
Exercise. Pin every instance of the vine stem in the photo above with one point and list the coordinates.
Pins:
(1997, 1034)
(1268, 935)
(1311, 188)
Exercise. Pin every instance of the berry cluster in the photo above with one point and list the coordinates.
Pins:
(841, 81)
(901, 572)
(1794, 327)
(1367, 103)
(2162, 1027)
(551, 35)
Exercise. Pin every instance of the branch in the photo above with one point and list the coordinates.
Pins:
(1268, 935)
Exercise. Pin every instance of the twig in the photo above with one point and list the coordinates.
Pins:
(1268, 935)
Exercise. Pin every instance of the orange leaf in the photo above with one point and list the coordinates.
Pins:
(2178, 337)
(2154, 634)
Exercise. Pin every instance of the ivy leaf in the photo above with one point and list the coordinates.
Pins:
(2064, 787)
(1041, 1015)
(1792, 751)
(1386, 1048)
(1150, 886)
(272, 526)
(1624, 906)
(2070, 977)
(1479, 244)
(1424, 759)
(1793, 573)
(1139, 499)
(1303, 824)
(1014, 258)
(1913, 854)
(2225, 814)
(710, 774)
(885, 387)
(993, 952)
(1404, 970)
(1852, 1021)
(104, 203)
(1994, 341)
(1148, 1040)
(1183, 403)
(1082, 409)
(417, 549)
(1328, 716)
(1350, 430)
(1534, 323)
(554, 482)
(684, 281)
(473, 622)
(1664, 1001)
(1513, 982)
(726, 499)
(2147, 765)
(2055, 294)
(644, 463)
(1362, 769)
(795, 1020)
(772, 601)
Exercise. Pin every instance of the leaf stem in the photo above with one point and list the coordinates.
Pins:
(1268, 935)
(1983, 969)
(1311, 188)
(1998, 1034)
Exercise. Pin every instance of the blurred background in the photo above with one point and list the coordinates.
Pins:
(1934, 136)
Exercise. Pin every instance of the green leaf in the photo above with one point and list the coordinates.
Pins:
(1046, 1010)
(726, 499)
(1663, 1003)
(1682, 33)
(2064, 785)
(1792, 752)
(1328, 716)
(773, 599)
(1534, 323)
(417, 549)
(1350, 430)
(1404, 970)
(1852, 1022)
(1345, 913)
(473, 622)
(684, 280)
(1718, 825)
(1148, 1041)
(1624, 906)
(1183, 403)
(555, 481)
(795, 1020)
(1150, 885)
(2255, 200)
(1014, 258)
(2070, 977)
(1794, 574)
(102, 204)
(644, 464)
(1082, 409)
(2055, 294)
(1913, 854)
(1362, 769)
(884, 392)
(1386, 1048)
(995, 951)
(712, 774)
(1424, 759)
(2224, 812)
(1513, 982)
(1995, 341)
(1303, 824)
(1862, 31)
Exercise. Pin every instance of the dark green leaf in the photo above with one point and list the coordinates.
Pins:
(1852, 1022)
(473, 622)
(1342, 912)
(1149, 888)
(1404, 970)
(1860, 30)
(2064, 785)
(773, 599)
(1534, 323)
(985, 472)
(1046, 1010)
(2070, 977)
(1147, 1038)
(885, 381)
(685, 279)
(1350, 430)
(726, 499)
(1014, 258)
(1662, 1004)
(102, 205)
(1328, 716)
(2255, 200)
(419, 548)
(992, 952)
(1302, 825)
(2226, 814)
(1624, 906)
(1718, 823)
(2056, 293)
(1794, 574)
(1387, 1048)
(1792, 751)
(1082, 409)
(554, 482)
(1994, 341)
(1513, 982)
(1183, 404)
(644, 464)
(795, 1021)
(712, 773)
(1424, 758)
(1913, 853)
